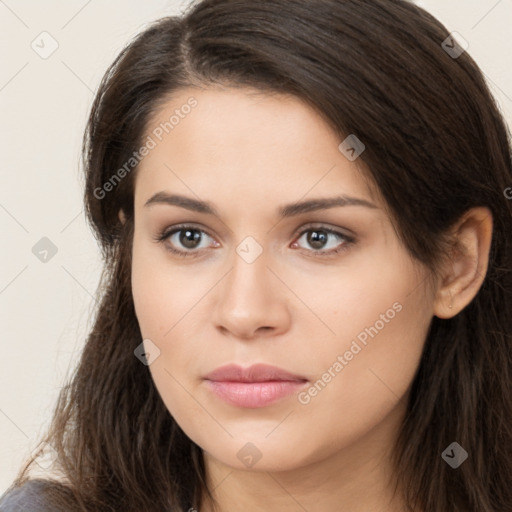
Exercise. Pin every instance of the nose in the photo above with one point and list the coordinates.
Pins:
(251, 300)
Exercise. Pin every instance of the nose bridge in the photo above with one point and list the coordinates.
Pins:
(249, 298)
(249, 274)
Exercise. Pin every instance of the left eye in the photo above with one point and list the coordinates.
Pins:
(318, 238)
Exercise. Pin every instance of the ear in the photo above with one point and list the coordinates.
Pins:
(467, 264)
(122, 216)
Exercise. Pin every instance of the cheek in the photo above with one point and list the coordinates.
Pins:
(167, 301)
(162, 301)
(162, 294)
(366, 368)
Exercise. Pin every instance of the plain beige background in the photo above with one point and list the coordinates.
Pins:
(46, 307)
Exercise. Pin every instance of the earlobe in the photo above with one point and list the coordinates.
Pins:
(467, 265)
(122, 216)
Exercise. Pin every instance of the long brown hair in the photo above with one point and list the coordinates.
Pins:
(436, 145)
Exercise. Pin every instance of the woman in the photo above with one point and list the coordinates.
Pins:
(303, 211)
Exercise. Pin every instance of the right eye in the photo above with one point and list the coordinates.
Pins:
(184, 240)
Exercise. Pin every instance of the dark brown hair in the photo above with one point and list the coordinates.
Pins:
(436, 146)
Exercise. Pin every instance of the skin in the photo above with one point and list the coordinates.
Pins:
(249, 153)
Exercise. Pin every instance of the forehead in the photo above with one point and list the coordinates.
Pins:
(233, 143)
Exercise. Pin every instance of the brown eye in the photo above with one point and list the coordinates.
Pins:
(184, 240)
(189, 238)
(317, 239)
(325, 241)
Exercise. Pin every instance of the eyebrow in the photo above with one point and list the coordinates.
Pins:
(288, 210)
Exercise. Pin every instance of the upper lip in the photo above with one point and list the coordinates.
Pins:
(254, 373)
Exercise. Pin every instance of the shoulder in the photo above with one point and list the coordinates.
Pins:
(29, 497)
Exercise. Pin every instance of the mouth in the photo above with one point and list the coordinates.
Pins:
(254, 373)
(257, 386)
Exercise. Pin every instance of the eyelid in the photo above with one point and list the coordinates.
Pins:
(345, 232)
(170, 230)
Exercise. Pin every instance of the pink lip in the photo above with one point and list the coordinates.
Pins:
(254, 373)
(256, 386)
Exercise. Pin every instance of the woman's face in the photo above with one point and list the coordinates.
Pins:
(261, 283)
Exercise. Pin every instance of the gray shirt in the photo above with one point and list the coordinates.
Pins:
(30, 497)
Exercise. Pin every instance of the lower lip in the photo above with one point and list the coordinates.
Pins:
(254, 394)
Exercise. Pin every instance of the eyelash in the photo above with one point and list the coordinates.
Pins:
(166, 233)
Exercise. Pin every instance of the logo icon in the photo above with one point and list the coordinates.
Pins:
(249, 455)
(44, 45)
(44, 250)
(147, 352)
(249, 249)
(351, 147)
(454, 455)
(455, 45)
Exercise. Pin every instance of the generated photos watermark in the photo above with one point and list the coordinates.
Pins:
(150, 143)
(343, 360)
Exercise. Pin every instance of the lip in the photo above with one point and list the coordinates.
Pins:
(254, 373)
(256, 386)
